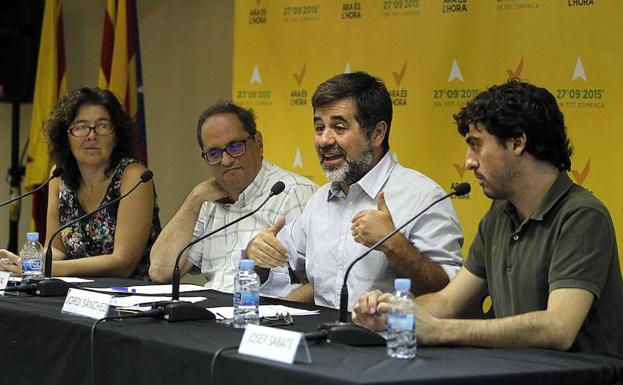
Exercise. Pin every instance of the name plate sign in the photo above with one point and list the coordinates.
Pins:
(87, 303)
(4, 280)
(270, 343)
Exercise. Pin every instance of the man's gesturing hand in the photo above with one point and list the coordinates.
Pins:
(369, 226)
(265, 249)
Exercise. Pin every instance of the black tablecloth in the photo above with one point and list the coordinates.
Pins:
(38, 344)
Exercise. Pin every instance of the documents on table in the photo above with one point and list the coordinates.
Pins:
(150, 289)
(4, 280)
(265, 311)
(66, 279)
(133, 300)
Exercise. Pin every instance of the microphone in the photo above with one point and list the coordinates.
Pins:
(347, 333)
(461, 189)
(176, 310)
(51, 287)
(56, 173)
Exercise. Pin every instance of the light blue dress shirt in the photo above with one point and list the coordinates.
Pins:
(321, 245)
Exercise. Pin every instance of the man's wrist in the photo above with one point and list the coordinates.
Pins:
(193, 204)
(441, 331)
(394, 245)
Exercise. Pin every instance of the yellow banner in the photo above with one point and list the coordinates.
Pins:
(435, 55)
(50, 84)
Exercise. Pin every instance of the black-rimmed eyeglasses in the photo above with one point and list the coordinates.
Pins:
(84, 129)
(234, 149)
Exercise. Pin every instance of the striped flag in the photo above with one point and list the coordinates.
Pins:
(120, 66)
(50, 84)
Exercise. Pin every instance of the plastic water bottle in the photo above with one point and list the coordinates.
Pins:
(32, 258)
(401, 341)
(246, 295)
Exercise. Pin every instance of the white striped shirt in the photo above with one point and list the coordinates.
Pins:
(218, 256)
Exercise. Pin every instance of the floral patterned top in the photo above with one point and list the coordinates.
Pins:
(96, 235)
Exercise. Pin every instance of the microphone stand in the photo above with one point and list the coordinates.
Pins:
(56, 173)
(354, 335)
(176, 310)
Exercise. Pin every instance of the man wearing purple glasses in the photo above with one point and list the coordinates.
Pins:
(232, 149)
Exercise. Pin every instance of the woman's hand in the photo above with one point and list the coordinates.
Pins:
(10, 262)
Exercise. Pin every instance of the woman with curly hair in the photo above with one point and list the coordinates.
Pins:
(90, 137)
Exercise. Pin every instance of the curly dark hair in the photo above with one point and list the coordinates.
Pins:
(516, 107)
(370, 95)
(63, 115)
(246, 117)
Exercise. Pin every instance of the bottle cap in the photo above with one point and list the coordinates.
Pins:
(34, 236)
(247, 264)
(402, 284)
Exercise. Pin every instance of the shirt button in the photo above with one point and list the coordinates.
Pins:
(515, 237)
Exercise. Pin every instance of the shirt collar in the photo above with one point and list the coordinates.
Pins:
(559, 188)
(372, 182)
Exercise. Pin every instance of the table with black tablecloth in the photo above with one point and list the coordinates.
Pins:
(39, 345)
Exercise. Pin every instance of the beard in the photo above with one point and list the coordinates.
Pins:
(350, 171)
(499, 185)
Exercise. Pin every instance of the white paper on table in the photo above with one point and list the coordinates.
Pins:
(265, 311)
(133, 300)
(153, 289)
(66, 279)
(75, 279)
(4, 280)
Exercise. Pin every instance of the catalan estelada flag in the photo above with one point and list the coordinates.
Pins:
(120, 66)
(50, 84)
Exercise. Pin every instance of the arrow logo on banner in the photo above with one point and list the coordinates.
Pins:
(580, 177)
(399, 75)
(298, 160)
(579, 71)
(299, 77)
(255, 77)
(455, 72)
(517, 72)
(460, 169)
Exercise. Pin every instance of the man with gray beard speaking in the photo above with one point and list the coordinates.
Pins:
(369, 194)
